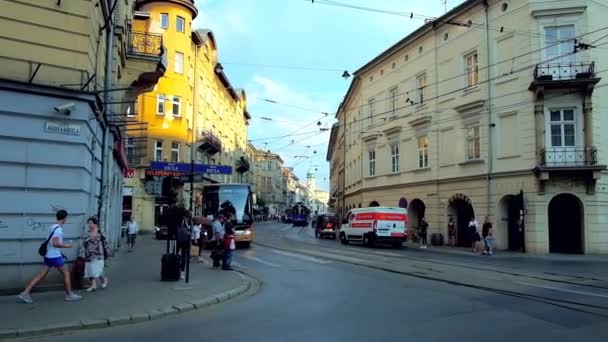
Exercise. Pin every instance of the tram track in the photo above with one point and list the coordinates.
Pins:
(282, 242)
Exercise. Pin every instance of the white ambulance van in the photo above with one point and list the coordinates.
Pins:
(374, 225)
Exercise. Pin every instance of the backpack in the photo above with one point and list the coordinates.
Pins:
(183, 233)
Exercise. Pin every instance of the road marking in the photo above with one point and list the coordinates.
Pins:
(302, 257)
(387, 254)
(339, 257)
(267, 263)
(564, 290)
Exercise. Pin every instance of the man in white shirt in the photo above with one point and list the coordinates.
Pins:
(53, 259)
(132, 230)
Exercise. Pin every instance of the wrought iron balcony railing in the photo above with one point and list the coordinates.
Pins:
(569, 156)
(145, 44)
(564, 71)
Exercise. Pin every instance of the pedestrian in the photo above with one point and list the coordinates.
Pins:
(217, 231)
(474, 234)
(183, 235)
(132, 230)
(423, 233)
(92, 249)
(486, 234)
(53, 258)
(451, 232)
(229, 243)
(197, 239)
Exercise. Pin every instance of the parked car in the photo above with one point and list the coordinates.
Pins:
(326, 225)
(162, 232)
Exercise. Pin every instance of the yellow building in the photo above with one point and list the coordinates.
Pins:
(194, 108)
(61, 120)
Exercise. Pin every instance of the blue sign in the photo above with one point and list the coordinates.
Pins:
(185, 168)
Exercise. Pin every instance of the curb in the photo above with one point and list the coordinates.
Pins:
(139, 317)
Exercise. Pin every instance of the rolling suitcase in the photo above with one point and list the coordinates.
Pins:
(169, 265)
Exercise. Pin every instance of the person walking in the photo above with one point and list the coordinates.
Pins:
(53, 258)
(132, 230)
(183, 235)
(486, 234)
(451, 232)
(423, 233)
(474, 234)
(229, 243)
(217, 236)
(92, 247)
(198, 239)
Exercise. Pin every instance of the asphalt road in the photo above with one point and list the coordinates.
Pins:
(309, 298)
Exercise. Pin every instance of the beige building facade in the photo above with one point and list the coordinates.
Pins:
(269, 184)
(494, 109)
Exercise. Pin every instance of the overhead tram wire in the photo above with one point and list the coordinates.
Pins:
(466, 87)
(512, 59)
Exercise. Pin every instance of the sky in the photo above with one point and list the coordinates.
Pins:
(293, 52)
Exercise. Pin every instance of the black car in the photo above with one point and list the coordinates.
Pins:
(162, 232)
(326, 225)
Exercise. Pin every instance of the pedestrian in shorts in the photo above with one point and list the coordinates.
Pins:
(132, 230)
(53, 258)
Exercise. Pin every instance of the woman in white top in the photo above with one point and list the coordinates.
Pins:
(198, 239)
(132, 230)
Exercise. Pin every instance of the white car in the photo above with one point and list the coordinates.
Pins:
(375, 225)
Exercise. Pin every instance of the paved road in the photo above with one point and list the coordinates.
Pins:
(310, 298)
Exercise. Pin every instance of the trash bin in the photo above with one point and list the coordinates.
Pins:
(437, 239)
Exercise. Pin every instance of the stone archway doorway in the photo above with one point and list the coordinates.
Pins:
(566, 227)
(461, 210)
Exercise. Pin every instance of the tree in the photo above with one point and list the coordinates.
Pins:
(260, 202)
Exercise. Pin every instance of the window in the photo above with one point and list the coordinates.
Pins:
(393, 101)
(130, 112)
(372, 162)
(473, 146)
(130, 149)
(180, 24)
(268, 182)
(269, 165)
(562, 126)
(160, 104)
(472, 69)
(407, 58)
(370, 102)
(395, 158)
(178, 62)
(158, 151)
(423, 152)
(164, 20)
(559, 42)
(420, 49)
(175, 152)
(177, 103)
(421, 85)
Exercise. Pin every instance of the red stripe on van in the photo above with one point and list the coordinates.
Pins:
(381, 217)
(361, 225)
(397, 234)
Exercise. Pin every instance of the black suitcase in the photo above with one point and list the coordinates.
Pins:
(169, 266)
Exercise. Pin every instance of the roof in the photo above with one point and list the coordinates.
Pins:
(189, 4)
(332, 141)
(419, 33)
(201, 36)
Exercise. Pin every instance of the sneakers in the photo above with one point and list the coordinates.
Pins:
(25, 297)
(182, 275)
(91, 289)
(104, 283)
(72, 297)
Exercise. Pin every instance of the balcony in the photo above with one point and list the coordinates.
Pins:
(147, 59)
(145, 44)
(576, 163)
(564, 75)
(242, 165)
(209, 143)
(569, 157)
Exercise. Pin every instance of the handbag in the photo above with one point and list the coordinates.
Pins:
(44, 246)
(107, 249)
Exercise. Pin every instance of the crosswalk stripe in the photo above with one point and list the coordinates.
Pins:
(303, 257)
(267, 263)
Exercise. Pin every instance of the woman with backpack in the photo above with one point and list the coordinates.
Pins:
(94, 251)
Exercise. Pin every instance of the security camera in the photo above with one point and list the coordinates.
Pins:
(66, 108)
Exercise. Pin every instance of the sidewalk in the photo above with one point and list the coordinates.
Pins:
(587, 266)
(135, 293)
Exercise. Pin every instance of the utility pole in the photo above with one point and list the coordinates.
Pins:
(105, 158)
